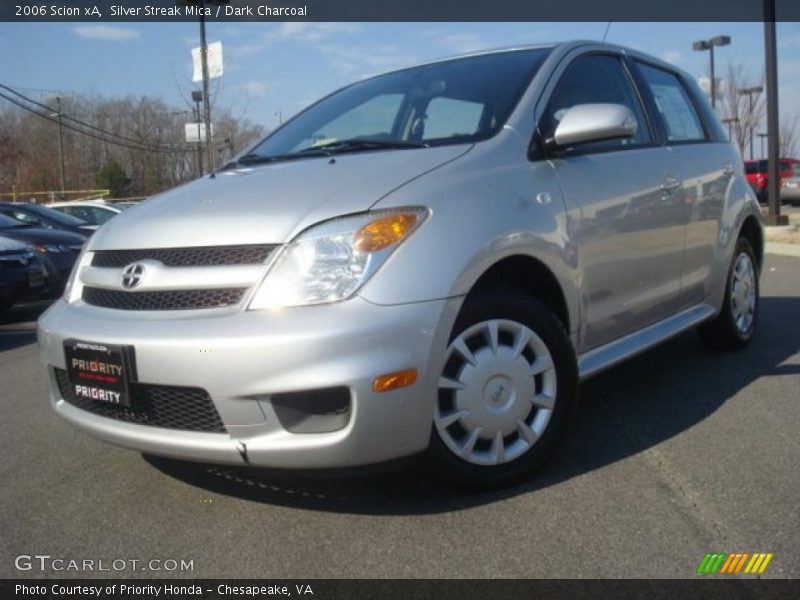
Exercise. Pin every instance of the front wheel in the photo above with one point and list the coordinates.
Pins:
(507, 392)
(736, 323)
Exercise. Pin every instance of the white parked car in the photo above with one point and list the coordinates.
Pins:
(94, 212)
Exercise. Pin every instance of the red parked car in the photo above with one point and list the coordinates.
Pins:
(757, 175)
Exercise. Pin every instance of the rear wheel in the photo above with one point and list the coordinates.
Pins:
(507, 392)
(736, 323)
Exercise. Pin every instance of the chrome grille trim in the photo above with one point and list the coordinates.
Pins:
(192, 256)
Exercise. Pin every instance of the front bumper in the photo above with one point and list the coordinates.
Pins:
(22, 284)
(241, 358)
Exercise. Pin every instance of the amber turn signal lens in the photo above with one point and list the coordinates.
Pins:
(393, 381)
(384, 232)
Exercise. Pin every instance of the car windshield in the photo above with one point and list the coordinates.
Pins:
(451, 102)
(53, 215)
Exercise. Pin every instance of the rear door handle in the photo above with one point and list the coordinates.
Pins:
(728, 170)
(670, 184)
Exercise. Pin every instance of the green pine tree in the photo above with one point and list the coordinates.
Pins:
(113, 177)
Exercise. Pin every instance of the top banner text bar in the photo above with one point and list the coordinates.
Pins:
(382, 10)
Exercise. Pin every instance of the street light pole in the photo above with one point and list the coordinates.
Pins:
(197, 98)
(761, 137)
(206, 102)
(720, 40)
(729, 122)
(771, 53)
(713, 78)
(61, 146)
(756, 89)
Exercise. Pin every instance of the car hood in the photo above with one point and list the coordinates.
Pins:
(268, 203)
(8, 244)
(35, 235)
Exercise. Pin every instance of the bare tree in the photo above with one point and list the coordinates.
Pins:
(789, 136)
(746, 110)
(143, 134)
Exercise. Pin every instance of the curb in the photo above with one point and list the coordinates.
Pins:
(782, 249)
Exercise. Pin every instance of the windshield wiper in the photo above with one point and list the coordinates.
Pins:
(260, 159)
(324, 150)
(361, 144)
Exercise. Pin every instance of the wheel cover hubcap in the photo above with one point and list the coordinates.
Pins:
(497, 392)
(743, 292)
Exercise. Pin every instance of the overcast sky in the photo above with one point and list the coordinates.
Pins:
(272, 67)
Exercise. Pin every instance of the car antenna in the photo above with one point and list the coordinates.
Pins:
(605, 33)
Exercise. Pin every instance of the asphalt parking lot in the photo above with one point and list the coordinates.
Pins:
(675, 454)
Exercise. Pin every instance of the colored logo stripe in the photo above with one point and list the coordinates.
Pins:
(711, 563)
(758, 563)
(734, 563)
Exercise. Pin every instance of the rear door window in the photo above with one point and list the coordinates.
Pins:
(680, 119)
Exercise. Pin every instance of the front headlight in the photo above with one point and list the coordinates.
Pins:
(332, 260)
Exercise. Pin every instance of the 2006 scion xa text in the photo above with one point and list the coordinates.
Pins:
(426, 261)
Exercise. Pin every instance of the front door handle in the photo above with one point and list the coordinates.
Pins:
(670, 184)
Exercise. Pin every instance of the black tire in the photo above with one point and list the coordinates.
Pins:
(513, 306)
(722, 332)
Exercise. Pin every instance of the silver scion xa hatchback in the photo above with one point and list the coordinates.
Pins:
(426, 261)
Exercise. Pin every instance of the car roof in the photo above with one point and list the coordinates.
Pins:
(563, 47)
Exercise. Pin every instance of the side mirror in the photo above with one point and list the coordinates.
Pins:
(594, 123)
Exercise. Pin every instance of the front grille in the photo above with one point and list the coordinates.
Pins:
(200, 256)
(184, 408)
(163, 300)
(15, 260)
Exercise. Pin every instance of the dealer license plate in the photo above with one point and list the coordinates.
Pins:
(99, 372)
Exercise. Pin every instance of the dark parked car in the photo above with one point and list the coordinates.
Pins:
(46, 218)
(21, 273)
(57, 250)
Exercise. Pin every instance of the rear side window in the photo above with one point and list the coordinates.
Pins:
(99, 216)
(681, 122)
(592, 80)
(78, 212)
